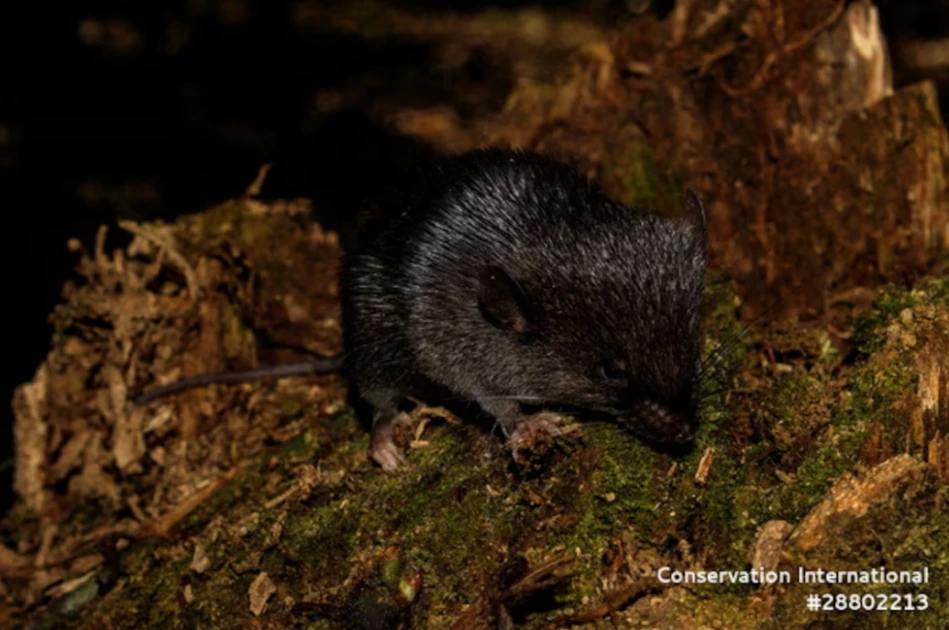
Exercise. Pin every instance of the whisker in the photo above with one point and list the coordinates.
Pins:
(723, 349)
(729, 344)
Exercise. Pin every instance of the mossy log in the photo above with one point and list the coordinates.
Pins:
(209, 491)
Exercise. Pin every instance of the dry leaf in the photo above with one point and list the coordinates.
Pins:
(260, 591)
(705, 466)
(200, 561)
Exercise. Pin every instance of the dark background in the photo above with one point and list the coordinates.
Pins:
(153, 109)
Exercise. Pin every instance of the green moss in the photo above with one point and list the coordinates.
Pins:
(318, 543)
(870, 329)
(610, 494)
(722, 522)
(624, 479)
(148, 599)
(877, 386)
(870, 399)
(820, 445)
(814, 476)
(431, 508)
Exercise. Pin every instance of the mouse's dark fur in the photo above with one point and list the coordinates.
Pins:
(504, 278)
(513, 279)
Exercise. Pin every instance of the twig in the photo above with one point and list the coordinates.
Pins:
(539, 578)
(163, 524)
(258, 184)
(174, 256)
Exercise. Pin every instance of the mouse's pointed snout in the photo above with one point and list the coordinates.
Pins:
(662, 424)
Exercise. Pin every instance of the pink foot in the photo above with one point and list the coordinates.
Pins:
(382, 447)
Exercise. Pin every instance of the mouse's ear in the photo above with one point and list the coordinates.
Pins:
(694, 213)
(503, 302)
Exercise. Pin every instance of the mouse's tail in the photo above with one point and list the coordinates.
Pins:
(321, 365)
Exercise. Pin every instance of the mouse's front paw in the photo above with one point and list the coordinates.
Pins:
(535, 433)
(386, 454)
(382, 447)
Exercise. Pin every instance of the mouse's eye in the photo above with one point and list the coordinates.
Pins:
(614, 371)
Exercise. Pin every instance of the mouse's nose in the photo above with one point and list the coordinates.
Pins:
(659, 423)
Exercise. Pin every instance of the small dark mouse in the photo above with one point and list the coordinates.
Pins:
(507, 278)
